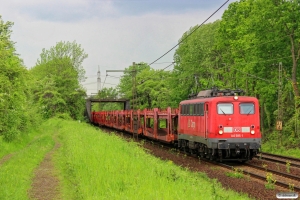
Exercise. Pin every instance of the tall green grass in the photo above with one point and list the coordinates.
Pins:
(17, 172)
(272, 147)
(96, 165)
(20, 142)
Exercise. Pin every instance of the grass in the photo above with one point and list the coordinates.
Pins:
(271, 147)
(95, 165)
(18, 144)
(17, 172)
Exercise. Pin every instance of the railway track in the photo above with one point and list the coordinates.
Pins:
(294, 162)
(283, 180)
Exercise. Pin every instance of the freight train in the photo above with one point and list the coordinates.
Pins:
(216, 124)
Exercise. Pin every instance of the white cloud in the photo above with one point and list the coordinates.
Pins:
(111, 42)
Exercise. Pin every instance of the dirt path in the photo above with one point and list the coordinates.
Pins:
(5, 158)
(45, 183)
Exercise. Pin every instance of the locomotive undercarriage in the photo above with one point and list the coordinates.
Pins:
(233, 152)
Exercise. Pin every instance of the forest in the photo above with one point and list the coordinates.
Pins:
(244, 49)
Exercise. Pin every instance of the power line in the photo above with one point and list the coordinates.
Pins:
(97, 82)
(113, 76)
(168, 66)
(104, 81)
(161, 63)
(189, 33)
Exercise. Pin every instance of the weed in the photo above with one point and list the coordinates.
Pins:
(270, 181)
(172, 150)
(288, 165)
(291, 187)
(199, 159)
(277, 165)
(265, 166)
(237, 173)
(260, 155)
(247, 177)
(214, 168)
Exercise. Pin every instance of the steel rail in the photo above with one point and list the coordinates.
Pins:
(257, 176)
(264, 156)
(281, 156)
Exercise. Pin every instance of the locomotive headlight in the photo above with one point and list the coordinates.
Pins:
(252, 132)
(235, 97)
(220, 132)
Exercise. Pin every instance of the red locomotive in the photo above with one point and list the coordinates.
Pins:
(216, 124)
(220, 124)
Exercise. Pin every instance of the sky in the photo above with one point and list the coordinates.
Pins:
(114, 33)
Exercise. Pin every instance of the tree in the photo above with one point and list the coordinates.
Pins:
(254, 36)
(151, 86)
(152, 89)
(107, 93)
(62, 50)
(58, 74)
(16, 106)
(197, 64)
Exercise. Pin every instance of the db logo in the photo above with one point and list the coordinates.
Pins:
(237, 129)
(191, 124)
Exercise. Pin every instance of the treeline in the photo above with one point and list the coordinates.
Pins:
(50, 88)
(242, 50)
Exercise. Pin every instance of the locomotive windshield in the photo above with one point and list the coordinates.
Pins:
(225, 108)
(246, 108)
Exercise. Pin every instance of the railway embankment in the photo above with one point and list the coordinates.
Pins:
(91, 164)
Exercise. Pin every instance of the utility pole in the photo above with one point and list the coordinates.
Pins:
(134, 95)
(135, 122)
(134, 102)
(98, 80)
(279, 117)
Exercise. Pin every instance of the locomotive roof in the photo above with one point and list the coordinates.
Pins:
(219, 98)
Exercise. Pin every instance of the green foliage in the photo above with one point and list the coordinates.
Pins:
(107, 93)
(16, 106)
(63, 50)
(152, 87)
(243, 50)
(57, 89)
(270, 181)
(152, 90)
(198, 64)
(254, 36)
(237, 173)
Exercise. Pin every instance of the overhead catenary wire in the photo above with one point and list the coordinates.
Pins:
(190, 33)
(168, 66)
(114, 76)
(104, 81)
(97, 82)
